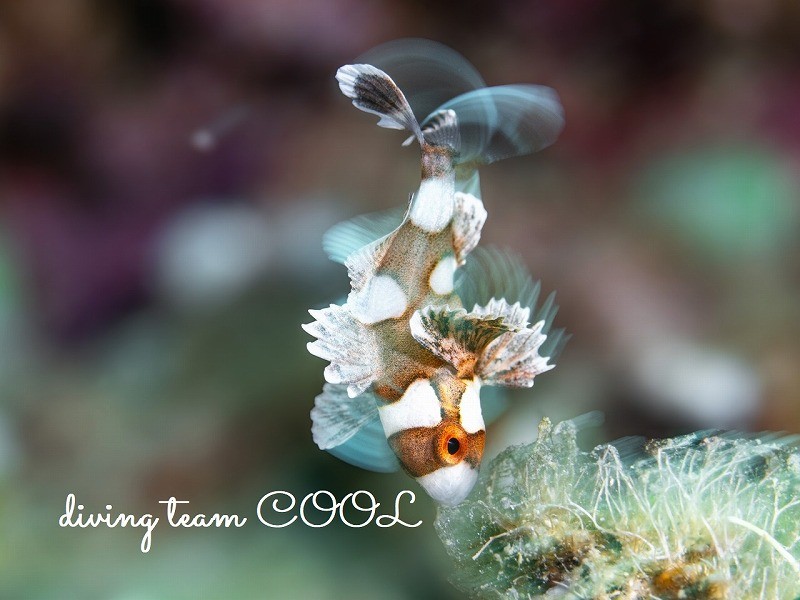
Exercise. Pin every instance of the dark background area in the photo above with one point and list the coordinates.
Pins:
(168, 167)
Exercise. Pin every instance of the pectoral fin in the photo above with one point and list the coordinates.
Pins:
(494, 402)
(490, 273)
(337, 417)
(347, 344)
(455, 336)
(492, 342)
(350, 429)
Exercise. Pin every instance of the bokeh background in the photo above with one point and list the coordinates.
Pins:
(167, 169)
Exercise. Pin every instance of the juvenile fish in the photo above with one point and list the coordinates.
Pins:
(426, 325)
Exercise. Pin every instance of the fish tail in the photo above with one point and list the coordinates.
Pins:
(373, 91)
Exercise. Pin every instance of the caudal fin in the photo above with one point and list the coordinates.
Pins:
(373, 91)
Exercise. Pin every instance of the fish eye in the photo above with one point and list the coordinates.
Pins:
(453, 445)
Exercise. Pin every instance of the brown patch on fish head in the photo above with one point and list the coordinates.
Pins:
(423, 450)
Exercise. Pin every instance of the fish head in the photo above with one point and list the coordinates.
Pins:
(437, 433)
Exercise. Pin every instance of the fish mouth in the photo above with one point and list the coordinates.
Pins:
(450, 485)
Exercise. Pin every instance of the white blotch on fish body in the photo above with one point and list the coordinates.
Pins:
(417, 407)
(433, 205)
(450, 485)
(382, 298)
(470, 408)
(441, 279)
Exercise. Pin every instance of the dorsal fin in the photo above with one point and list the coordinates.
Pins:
(373, 91)
(442, 130)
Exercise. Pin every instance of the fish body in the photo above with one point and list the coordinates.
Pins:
(404, 348)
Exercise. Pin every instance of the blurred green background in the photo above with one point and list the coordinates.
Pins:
(153, 279)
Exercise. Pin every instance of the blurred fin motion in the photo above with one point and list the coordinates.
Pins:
(504, 121)
(428, 322)
(429, 73)
(493, 123)
(494, 273)
(344, 238)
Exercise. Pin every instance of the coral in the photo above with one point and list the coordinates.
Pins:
(704, 516)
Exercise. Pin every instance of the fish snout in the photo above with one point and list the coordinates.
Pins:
(450, 485)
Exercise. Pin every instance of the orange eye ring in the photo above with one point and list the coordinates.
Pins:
(451, 444)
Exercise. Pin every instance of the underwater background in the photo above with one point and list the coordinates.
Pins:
(168, 167)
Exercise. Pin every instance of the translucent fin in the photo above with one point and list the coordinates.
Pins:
(554, 345)
(344, 238)
(455, 336)
(373, 91)
(368, 449)
(468, 181)
(490, 273)
(429, 73)
(347, 344)
(513, 359)
(336, 417)
(504, 121)
(494, 402)
(468, 220)
(494, 123)
(556, 338)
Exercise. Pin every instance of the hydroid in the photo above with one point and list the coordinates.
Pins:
(701, 516)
